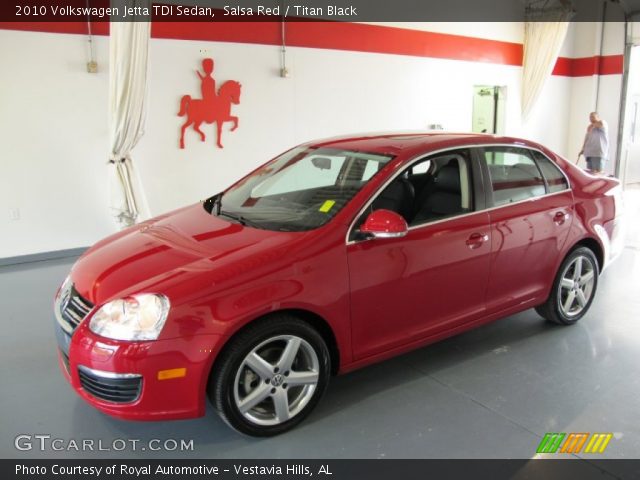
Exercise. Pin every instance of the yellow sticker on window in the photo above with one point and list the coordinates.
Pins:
(326, 206)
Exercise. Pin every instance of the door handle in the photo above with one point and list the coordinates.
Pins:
(559, 218)
(476, 240)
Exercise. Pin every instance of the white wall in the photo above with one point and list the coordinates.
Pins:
(547, 122)
(328, 93)
(55, 151)
(53, 132)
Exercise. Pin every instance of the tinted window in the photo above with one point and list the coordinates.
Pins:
(447, 191)
(432, 189)
(556, 181)
(514, 175)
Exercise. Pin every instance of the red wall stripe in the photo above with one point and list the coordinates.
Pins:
(79, 28)
(588, 66)
(564, 67)
(350, 37)
(611, 65)
(400, 41)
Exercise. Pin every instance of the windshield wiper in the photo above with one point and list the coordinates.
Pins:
(233, 216)
(238, 218)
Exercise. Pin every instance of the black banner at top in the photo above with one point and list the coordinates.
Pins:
(305, 10)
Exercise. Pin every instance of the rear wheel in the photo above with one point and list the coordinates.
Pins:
(270, 376)
(573, 289)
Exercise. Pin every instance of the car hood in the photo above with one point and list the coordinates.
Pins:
(170, 249)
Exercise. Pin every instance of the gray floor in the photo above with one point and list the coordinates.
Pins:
(490, 393)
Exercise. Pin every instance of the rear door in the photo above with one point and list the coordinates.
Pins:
(530, 209)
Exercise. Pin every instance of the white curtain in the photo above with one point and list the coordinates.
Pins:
(542, 44)
(129, 46)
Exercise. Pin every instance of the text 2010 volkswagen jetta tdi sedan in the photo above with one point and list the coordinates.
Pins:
(332, 256)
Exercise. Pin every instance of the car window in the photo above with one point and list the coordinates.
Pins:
(556, 181)
(422, 197)
(448, 190)
(514, 175)
(421, 168)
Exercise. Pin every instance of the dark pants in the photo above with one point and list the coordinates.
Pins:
(595, 163)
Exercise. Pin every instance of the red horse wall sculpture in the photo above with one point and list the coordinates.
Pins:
(212, 107)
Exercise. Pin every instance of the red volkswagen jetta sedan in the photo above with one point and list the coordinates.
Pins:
(330, 257)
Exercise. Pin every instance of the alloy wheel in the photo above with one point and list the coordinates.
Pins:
(576, 286)
(276, 380)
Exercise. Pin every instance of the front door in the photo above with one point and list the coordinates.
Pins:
(433, 279)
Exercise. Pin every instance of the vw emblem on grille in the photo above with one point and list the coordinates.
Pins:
(276, 381)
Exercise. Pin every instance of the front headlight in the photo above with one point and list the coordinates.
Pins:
(138, 317)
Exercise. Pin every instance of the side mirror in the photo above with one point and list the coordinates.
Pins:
(384, 224)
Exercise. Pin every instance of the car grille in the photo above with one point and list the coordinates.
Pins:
(75, 309)
(118, 390)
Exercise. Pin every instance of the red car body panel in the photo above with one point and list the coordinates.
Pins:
(402, 270)
(220, 276)
(176, 398)
(522, 234)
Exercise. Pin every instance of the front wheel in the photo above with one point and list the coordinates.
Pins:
(270, 376)
(573, 289)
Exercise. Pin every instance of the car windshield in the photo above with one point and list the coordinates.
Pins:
(301, 189)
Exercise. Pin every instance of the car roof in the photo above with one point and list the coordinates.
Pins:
(409, 143)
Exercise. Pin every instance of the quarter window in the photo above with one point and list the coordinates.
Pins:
(556, 181)
(514, 175)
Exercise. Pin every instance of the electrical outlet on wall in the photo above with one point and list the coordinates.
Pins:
(14, 214)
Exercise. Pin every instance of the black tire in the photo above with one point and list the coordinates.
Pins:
(231, 370)
(553, 309)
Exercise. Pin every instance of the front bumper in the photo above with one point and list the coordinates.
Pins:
(106, 361)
